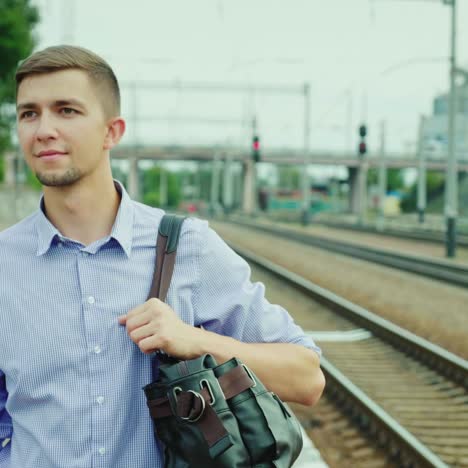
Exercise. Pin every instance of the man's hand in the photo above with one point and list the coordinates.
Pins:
(155, 326)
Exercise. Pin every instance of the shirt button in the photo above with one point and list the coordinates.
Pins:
(91, 300)
(85, 254)
(102, 450)
(97, 349)
(100, 400)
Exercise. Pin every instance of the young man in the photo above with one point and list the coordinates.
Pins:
(76, 330)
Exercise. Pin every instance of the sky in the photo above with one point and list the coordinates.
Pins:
(366, 61)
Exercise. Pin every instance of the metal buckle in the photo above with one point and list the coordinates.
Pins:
(176, 391)
(210, 391)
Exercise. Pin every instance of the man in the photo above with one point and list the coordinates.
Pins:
(76, 328)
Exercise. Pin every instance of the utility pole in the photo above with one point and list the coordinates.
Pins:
(305, 175)
(451, 194)
(163, 195)
(421, 172)
(132, 183)
(362, 174)
(214, 194)
(349, 120)
(382, 177)
(250, 187)
(228, 188)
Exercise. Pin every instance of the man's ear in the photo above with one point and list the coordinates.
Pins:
(115, 131)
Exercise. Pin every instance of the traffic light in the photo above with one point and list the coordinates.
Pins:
(362, 148)
(256, 148)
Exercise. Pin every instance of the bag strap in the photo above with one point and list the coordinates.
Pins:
(166, 250)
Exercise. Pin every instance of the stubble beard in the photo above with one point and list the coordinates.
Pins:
(69, 177)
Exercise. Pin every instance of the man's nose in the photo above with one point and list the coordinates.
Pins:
(46, 130)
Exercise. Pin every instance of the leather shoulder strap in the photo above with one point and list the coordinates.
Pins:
(166, 250)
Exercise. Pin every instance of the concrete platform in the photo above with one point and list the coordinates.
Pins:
(310, 456)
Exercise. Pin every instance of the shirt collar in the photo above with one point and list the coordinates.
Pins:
(122, 230)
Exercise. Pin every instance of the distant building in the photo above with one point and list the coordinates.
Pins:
(441, 102)
(435, 130)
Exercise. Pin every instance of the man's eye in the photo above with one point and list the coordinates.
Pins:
(68, 111)
(27, 114)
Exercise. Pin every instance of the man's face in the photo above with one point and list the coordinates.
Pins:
(61, 127)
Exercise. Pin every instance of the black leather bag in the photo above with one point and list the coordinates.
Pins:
(211, 415)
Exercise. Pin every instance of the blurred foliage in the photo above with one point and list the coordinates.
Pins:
(289, 177)
(151, 187)
(435, 185)
(395, 179)
(32, 181)
(17, 19)
(205, 177)
(118, 173)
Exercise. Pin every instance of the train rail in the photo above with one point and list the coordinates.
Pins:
(441, 270)
(433, 236)
(406, 395)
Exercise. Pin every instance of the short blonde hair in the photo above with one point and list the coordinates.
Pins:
(65, 57)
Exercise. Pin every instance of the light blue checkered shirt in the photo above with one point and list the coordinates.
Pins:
(70, 378)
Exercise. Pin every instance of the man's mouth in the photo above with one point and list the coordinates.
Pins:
(50, 155)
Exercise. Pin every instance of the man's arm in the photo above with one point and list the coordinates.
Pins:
(6, 428)
(241, 323)
(291, 371)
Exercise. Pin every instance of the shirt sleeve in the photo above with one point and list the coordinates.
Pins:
(6, 428)
(229, 303)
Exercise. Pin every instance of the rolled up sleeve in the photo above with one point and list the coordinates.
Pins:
(6, 428)
(229, 303)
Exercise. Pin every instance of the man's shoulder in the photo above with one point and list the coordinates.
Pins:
(194, 225)
(150, 217)
(19, 231)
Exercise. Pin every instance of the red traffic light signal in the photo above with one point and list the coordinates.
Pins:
(256, 148)
(256, 144)
(362, 148)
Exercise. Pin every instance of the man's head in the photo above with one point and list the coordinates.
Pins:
(65, 57)
(68, 114)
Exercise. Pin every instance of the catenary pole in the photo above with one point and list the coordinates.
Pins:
(451, 192)
(382, 177)
(421, 171)
(305, 175)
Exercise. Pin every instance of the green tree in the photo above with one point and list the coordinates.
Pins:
(17, 20)
(289, 177)
(394, 179)
(151, 183)
(435, 184)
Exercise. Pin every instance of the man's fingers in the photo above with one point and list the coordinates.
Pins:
(150, 344)
(138, 310)
(138, 321)
(151, 304)
(141, 332)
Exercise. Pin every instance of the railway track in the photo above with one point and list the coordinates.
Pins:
(441, 270)
(405, 400)
(426, 236)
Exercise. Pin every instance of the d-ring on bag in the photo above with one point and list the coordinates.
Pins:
(211, 415)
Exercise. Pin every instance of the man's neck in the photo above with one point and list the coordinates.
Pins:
(82, 213)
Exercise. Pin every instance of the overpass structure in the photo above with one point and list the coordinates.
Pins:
(282, 156)
(357, 166)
